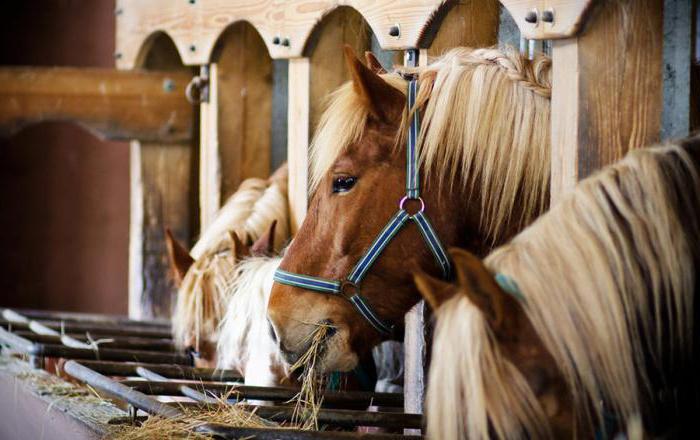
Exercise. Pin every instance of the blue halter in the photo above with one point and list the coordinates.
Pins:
(349, 288)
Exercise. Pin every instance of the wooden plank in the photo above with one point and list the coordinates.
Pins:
(325, 49)
(196, 26)
(110, 103)
(162, 195)
(607, 90)
(161, 199)
(298, 139)
(470, 23)
(568, 17)
(209, 158)
(244, 99)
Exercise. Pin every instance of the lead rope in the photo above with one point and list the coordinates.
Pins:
(349, 288)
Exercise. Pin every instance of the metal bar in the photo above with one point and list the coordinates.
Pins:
(170, 371)
(118, 342)
(184, 389)
(44, 315)
(135, 398)
(16, 342)
(110, 354)
(345, 418)
(346, 399)
(230, 432)
(96, 329)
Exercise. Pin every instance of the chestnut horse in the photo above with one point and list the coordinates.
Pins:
(483, 151)
(205, 274)
(584, 322)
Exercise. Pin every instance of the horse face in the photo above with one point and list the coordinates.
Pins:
(352, 203)
(516, 339)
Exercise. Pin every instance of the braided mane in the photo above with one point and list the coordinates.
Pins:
(485, 127)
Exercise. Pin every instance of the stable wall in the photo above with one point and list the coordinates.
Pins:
(64, 194)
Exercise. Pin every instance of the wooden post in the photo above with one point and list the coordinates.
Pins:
(298, 139)
(468, 23)
(209, 160)
(607, 89)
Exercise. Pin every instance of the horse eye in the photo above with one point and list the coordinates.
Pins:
(343, 183)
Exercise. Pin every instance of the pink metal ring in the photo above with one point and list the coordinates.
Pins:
(420, 199)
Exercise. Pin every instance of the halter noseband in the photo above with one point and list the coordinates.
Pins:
(349, 288)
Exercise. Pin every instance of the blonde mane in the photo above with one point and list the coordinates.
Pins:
(244, 341)
(201, 298)
(608, 277)
(485, 118)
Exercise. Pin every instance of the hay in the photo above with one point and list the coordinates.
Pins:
(158, 428)
(308, 401)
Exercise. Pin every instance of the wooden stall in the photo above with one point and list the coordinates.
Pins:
(607, 97)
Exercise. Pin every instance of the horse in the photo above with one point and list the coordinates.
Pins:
(244, 342)
(484, 154)
(585, 321)
(204, 274)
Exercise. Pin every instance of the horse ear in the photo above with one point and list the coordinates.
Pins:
(178, 255)
(384, 101)
(239, 250)
(435, 291)
(477, 282)
(265, 245)
(374, 64)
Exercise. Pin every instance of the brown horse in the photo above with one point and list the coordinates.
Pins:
(584, 322)
(484, 155)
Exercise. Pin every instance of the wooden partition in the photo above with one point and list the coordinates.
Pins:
(606, 99)
(236, 119)
(162, 195)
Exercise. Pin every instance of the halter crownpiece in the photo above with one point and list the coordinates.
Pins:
(349, 288)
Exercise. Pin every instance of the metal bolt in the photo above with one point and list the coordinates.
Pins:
(193, 48)
(276, 40)
(532, 16)
(548, 15)
(395, 31)
(117, 55)
(168, 85)
(193, 2)
(118, 11)
(286, 42)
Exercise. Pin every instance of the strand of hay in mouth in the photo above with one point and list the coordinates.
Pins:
(157, 428)
(308, 401)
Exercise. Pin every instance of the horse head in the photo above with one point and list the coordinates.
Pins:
(483, 314)
(360, 160)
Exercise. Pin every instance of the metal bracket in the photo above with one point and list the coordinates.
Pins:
(197, 90)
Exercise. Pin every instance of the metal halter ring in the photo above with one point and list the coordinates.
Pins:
(354, 289)
(405, 199)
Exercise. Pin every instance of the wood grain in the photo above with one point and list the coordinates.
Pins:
(209, 157)
(244, 72)
(162, 195)
(569, 16)
(298, 139)
(470, 23)
(195, 28)
(607, 91)
(112, 104)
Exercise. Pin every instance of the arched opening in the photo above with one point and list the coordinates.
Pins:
(244, 94)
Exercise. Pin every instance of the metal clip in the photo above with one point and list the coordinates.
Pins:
(197, 91)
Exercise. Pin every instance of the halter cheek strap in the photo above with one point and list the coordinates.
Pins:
(349, 288)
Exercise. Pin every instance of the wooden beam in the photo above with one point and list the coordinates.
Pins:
(567, 17)
(298, 139)
(150, 106)
(607, 90)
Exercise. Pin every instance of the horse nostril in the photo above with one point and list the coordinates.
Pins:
(273, 334)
